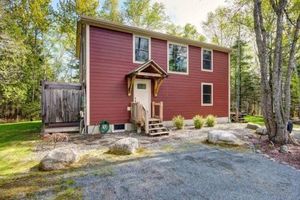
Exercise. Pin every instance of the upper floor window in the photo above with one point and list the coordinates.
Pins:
(141, 49)
(207, 94)
(207, 60)
(177, 58)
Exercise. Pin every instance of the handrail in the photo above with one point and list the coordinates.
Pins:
(160, 108)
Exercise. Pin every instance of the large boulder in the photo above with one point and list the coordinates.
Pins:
(124, 146)
(223, 137)
(60, 158)
(253, 126)
(261, 131)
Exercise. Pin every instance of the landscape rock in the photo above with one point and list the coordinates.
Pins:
(261, 131)
(223, 137)
(252, 126)
(258, 151)
(60, 158)
(124, 146)
(284, 149)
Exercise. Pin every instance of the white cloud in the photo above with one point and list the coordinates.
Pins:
(190, 11)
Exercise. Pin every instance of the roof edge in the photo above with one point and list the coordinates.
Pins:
(135, 30)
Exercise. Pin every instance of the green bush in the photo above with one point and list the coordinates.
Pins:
(32, 110)
(178, 121)
(210, 120)
(198, 121)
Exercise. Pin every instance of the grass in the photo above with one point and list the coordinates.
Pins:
(260, 120)
(16, 145)
(255, 119)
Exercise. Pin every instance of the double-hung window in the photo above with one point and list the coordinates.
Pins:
(177, 58)
(207, 94)
(141, 48)
(207, 60)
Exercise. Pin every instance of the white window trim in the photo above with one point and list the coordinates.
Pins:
(187, 56)
(133, 48)
(212, 94)
(212, 60)
(120, 130)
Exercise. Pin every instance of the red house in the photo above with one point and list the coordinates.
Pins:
(166, 75)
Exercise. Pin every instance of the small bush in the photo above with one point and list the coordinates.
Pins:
(210, 121)
(178, 121)
(198, 121)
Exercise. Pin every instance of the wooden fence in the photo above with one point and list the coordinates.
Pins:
(61, 104)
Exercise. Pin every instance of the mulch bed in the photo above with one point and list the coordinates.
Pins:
(292, 157)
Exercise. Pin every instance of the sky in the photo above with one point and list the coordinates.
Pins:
(185, 11)
(190, 11)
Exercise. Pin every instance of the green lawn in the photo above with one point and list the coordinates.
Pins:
(260, 121)
(16, 145)
(255, 119)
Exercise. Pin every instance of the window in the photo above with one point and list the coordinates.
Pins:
(177, 58)
(141, 52)
(207, 60)
(119, 127)
(207, 94)
(141, 86)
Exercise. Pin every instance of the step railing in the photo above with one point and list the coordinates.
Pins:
(157, 110)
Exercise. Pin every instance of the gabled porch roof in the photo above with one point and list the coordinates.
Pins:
(149, 70)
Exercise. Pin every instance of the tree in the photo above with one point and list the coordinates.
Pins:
(110, 11)
(141, 13)
(190, 32)
(246, 78)
(23, 58)
(275, 101)
(66, 17)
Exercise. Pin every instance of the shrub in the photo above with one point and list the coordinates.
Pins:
(198, 121)
(31, 111)
(178, 121)
(210, 120)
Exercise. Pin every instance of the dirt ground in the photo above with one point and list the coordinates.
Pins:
(256, 143)
(95, 168)
(291, 158)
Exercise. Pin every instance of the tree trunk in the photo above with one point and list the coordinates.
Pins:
(275, 105)
(280, 135)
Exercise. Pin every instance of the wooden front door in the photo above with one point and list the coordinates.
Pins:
(142, 93)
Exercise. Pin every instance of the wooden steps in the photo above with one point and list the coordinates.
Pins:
(156, 127)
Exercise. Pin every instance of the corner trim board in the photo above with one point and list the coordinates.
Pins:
(88, 74)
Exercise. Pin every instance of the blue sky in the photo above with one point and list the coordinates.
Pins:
(184, 11)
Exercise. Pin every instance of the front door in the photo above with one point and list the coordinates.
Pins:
(142, 93)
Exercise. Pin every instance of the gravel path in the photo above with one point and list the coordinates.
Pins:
(201, 173)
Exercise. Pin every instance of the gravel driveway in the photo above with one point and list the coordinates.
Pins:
(200, 173)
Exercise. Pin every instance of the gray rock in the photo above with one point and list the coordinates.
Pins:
(261, 131)
(284, 149)
(223, 137)
(252, 126)
(124, 146)
(60, 158)
(257, 151)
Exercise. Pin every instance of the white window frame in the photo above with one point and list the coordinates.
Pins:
(120, 130)
(133, 48)
(212, 94)
(212, 60)
(187, 56)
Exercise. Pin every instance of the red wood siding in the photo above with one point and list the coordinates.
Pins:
(111, 59)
